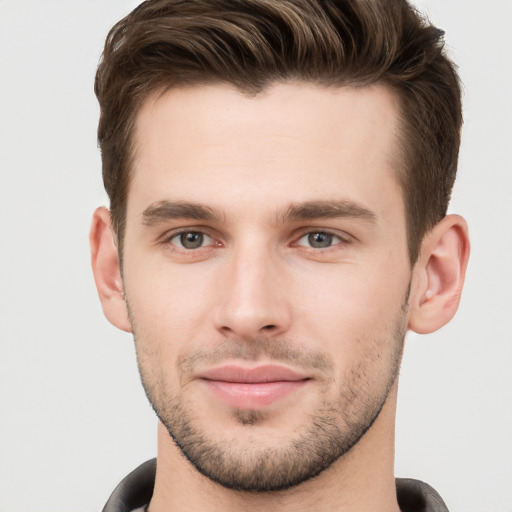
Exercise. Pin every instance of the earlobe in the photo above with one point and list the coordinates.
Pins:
(439, 275)
(107, 271)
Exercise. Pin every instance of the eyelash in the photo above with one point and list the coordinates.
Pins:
(329, 234)
(168, 240)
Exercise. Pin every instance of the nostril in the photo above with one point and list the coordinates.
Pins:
(268, 327)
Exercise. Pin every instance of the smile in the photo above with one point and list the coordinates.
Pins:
(253, 388)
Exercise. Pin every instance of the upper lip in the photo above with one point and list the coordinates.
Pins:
(259, 374)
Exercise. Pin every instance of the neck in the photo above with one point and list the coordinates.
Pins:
(360, 481)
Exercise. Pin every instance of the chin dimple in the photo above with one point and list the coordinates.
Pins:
(250, 417)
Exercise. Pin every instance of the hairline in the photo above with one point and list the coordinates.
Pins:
(397, 155)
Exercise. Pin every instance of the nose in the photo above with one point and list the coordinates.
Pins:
(252, 299)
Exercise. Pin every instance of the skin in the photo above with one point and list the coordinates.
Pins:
(259, 178)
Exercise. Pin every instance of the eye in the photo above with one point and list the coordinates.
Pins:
(319, 240)
(191, 240)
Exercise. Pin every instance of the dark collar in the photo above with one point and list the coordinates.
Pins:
(136, 490)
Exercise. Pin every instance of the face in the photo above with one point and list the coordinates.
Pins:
(266, 274)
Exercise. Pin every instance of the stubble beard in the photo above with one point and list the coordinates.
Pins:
(334, 428)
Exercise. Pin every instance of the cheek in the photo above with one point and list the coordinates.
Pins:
(348, 308)
(167, 295)
(169, 308)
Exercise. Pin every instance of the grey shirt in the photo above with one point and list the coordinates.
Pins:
(135, 491)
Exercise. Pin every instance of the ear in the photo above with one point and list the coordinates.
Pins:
(438, 275)
(107, 270)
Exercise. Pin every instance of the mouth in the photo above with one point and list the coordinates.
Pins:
(252, 388)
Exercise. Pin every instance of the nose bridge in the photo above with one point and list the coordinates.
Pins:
(253, 303)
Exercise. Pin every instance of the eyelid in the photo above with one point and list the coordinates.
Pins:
(344, 237)
(177, 236)
(336, 240)
(165, 238)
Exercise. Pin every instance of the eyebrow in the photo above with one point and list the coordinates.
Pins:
(168, 210)
(328, 210)
(161, 211)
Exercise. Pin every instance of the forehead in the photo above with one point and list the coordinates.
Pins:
(291, 142)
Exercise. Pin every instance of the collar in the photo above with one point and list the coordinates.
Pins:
(136, 489)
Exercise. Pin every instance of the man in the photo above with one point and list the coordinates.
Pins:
(278, 174)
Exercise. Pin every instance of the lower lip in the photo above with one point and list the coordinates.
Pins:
(254, 395)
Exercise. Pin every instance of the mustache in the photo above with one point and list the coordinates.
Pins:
(279, 351)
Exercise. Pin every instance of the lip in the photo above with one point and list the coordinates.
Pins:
(252, 388)
(259, 374)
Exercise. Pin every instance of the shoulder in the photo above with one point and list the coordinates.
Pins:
(416, 496)
(134, 491)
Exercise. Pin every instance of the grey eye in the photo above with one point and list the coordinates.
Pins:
(319, 240)
(191, 240)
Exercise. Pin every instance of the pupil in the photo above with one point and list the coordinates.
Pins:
(191, 240)
(320, 240)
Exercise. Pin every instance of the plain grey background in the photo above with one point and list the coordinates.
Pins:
(73, 416)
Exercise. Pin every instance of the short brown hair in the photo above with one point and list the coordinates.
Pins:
(253, 43)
